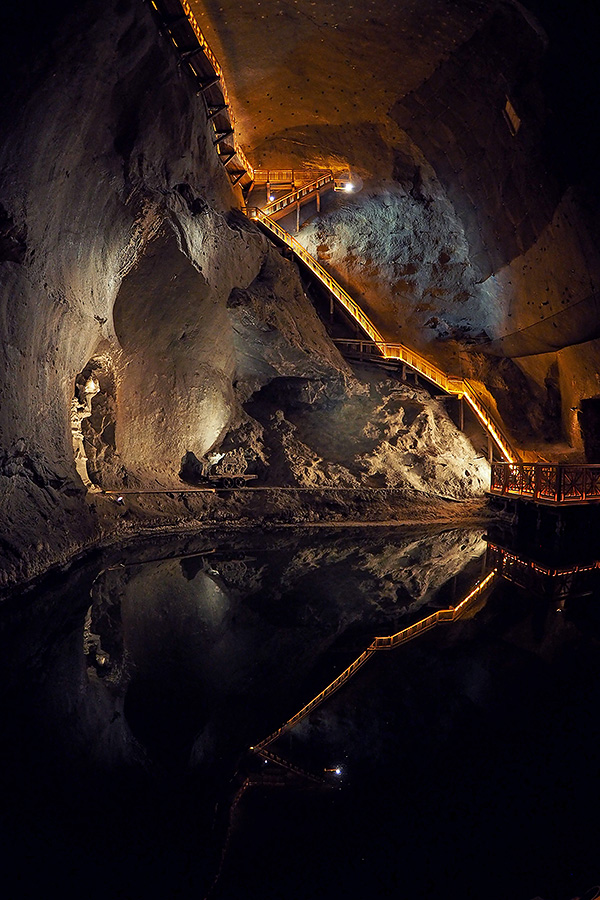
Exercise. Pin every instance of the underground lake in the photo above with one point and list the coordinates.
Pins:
(463, 762)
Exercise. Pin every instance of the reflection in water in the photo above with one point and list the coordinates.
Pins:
(128, 723)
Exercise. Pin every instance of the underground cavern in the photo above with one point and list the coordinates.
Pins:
(300, 351)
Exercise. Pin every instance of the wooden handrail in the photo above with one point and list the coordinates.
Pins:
(297, 195)
(451, 384)
(212, 59)
(558, 483)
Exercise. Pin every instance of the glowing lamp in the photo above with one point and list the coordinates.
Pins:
(271, 197)
(348, 187)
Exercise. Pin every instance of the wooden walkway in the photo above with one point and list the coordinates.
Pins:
(552, 484)
(179, 23)
(388, 350)
(381, 643)
(551, 582)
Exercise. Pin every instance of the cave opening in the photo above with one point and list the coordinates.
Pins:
(94, 421)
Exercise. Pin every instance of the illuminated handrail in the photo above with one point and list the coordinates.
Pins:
(526, 563)
(380, 643)
(284, 176)
(339, 293)
(316, 701)
(453, 385)
(219, 72)
(291, 767)
(562, 483)
(298, 194)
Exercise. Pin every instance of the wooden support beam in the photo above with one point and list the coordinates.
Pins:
(297, 217)
(461, 413)
(189, 54)
(238, 176)
(318, 201)
(223, 135)
(226, 157)
(205, 85)
(215, 110)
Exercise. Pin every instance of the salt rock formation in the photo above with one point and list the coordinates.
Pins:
(125, 261)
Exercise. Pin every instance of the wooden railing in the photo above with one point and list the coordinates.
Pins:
(203, 43)
(555, 582)
(380, 643)
(547, 482)
(339, 293)
(461, 387)
(292, 177)
(178, 19)
(297, 195)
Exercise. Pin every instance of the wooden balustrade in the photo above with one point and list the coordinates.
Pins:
(554, 483)
(555, 582)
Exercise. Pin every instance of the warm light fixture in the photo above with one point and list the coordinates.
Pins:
(348, 187)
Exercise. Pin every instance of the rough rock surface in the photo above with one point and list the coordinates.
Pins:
(405, 254)
(378, 433)
(472, 225)
(124, 261)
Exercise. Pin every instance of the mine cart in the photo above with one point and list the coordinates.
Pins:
(228, 469)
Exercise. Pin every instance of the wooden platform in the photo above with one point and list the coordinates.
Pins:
(551, 484)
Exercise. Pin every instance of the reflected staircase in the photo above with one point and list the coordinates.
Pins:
(382, 643)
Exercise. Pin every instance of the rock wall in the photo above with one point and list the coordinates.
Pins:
(477, 226)
(128, 277)
(118, 254)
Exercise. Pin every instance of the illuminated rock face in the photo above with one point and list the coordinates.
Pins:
(119, 254)
(101, 127)
(469, 125)
(121, 258)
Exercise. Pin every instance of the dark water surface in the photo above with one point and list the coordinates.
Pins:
(134, 684)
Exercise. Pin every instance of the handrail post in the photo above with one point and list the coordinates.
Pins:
(558, 484)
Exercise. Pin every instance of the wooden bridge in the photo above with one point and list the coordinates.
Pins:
(554, 484)
(381, 643)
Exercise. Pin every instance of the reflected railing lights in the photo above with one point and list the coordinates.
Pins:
(380, 643)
